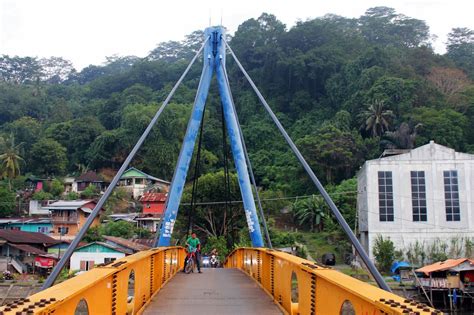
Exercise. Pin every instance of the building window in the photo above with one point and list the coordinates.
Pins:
(148, 205)
(451, 196)
(43, 229)
(418, 195)
(63, 230)
(385, 196)
(87, 265)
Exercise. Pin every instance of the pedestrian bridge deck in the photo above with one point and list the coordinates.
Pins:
(215, 291)
(254, 281)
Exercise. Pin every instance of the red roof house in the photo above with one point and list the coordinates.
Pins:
(153, 202)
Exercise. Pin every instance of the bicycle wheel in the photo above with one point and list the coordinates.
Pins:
(189, 266)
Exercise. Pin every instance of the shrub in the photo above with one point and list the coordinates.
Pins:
(42, 195)
(384, 252)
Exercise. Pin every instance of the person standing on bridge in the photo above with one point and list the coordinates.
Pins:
(193, 243)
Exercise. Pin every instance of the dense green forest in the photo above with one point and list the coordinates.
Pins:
(345, 89)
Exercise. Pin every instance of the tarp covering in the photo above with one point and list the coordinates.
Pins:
(450, 264)
(44, 262)
(399, 264)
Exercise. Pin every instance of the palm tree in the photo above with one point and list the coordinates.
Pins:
(376, 118)
(310, 211)
(402, 138)
(10, 161)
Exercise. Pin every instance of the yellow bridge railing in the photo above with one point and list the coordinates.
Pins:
(122, 287)
(300, 286)
(297, 285)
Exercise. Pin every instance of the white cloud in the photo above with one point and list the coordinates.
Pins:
(86, 31)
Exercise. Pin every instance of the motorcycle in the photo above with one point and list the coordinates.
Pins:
(7, 275)
(214, 261)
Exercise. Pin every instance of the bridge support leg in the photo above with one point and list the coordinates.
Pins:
(238, 152)
(214, 57)
(186, 153)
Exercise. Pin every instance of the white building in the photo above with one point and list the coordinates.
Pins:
(40, 207)
(423, 195)
(86, 257)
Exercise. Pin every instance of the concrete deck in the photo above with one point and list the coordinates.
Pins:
(215, 291)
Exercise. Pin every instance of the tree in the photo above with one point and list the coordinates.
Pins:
(56, 188)
(382, 25)
(19, 70)
(460, 48)
(448, 81)
(402, 138)
(119, 229)
(91, 191)
(48, 157)
(384, 253)
(82, 133)
(376, 118)
(444, 126)
(216, 220)
(25, 130)
(310, 211)
(93, 234)
(7, 201)
(332, 152)
(344, 196)
(10, 161)
(55, 69)
(42, 195)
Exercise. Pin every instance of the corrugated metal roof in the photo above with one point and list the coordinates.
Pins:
(73, 204)
(28, 249)
(133, 172)
(444, 265)
(126, 243)
(110, 246)
(90, 176)
(21, 237)
(25, 220)
(154, 197)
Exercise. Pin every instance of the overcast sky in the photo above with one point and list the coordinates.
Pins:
(85, 31)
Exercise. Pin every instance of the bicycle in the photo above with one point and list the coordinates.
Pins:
(191, 261)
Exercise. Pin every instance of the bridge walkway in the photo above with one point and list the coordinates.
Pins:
(215, 291)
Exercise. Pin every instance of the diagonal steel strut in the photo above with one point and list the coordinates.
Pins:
(355, 242)
(95, 212)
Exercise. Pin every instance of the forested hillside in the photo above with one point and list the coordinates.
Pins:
(344, 88)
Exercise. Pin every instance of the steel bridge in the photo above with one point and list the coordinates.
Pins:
(254, 280)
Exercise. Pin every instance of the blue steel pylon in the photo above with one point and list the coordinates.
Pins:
(214, 60)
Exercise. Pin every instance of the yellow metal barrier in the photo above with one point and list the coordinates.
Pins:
(300, 286)
(123, 287)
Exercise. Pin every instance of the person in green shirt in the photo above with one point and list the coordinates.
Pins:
(193, 244)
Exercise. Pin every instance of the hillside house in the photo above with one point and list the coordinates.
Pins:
(41, 225)
(148, 221)
(39, 207)
(89, 178)
(68, 217)
(153, 202)
(136, 182)
(423, 195)
(19, 249)
(86, 257)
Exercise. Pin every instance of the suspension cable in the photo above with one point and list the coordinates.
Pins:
(197, 171)
(249, 164)
(226, 173)
(355, 242)
(72, 247)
